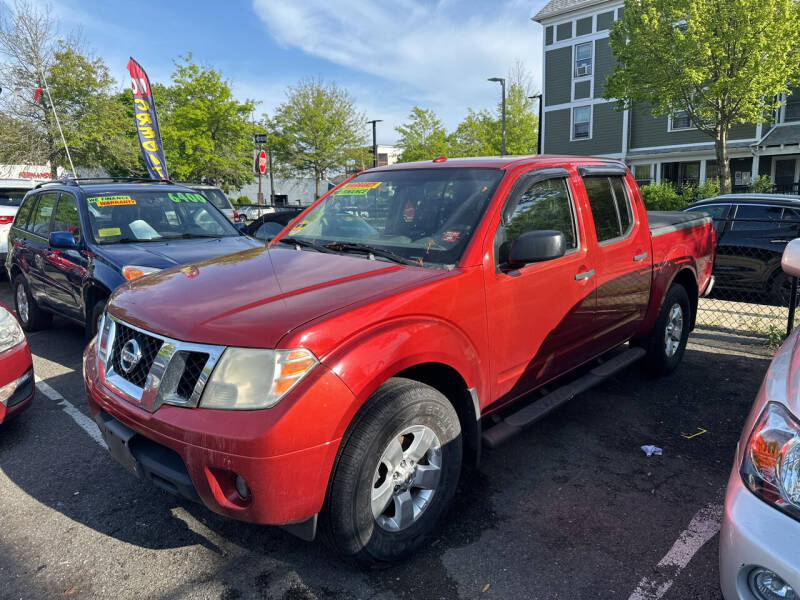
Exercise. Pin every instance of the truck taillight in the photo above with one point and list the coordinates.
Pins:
(235, 216)
(6, 219)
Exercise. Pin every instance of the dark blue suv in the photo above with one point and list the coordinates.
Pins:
(73, 241)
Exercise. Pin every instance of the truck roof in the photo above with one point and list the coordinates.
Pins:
(498, 162)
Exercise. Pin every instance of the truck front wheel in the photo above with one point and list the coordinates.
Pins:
(667, 341)
(396, 474)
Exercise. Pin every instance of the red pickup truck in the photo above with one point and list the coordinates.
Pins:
(335, 380)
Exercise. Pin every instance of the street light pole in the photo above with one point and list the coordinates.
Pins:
(374, 142)
(502, 82)
(538, 95)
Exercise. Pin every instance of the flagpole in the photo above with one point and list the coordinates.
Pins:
(58, 124)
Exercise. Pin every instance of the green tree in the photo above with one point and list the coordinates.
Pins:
(522, 124)
(318, 131)
(475, 135)
(722, 61)
(81, 89)
(422, 137)
(207, 132)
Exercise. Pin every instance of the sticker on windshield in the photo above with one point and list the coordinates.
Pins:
(185, 197)
(408, 212)
(111, 200)
(450, 236)
(109, 231)
(299, 227)
(356, 188)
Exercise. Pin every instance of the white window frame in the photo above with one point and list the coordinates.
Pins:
(671, 126)
(572, 137)
(575, 60)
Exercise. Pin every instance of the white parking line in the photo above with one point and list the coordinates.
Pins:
(81, 419)
(703, 527)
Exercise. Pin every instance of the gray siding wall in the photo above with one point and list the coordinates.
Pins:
(564, 31)
(582, 90)
(647, 131)
(606, 132)
(583, 26)
(603, 62)
(604, 20)
(559, 76)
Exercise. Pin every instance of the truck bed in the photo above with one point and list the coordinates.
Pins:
(666, 221)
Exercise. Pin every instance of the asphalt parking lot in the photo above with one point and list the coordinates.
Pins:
(571, 509)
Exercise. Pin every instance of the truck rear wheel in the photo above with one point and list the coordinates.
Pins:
(396, 474)
(667, 341)
(31, 317)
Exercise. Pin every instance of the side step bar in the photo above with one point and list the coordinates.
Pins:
(516, 422)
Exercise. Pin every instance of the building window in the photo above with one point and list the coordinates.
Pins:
(581, 122)
(641, 173)
(679, 119)
(583, 59)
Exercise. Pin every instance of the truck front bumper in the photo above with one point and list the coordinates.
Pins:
(281, 455)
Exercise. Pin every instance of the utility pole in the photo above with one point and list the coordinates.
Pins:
(538, 95)
(271, 181)
(502, 83)
(374, 142)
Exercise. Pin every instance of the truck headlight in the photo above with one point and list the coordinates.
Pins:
(10, 332)
(253, 378)
(131, 272)
(771, 464)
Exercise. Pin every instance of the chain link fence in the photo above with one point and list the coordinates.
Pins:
(752, 296)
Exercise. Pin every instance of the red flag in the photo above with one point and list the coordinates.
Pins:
(36, 95)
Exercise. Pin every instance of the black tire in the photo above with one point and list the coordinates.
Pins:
(658, 360)
(35, 318)
(781, 289)
(93, 316)
(347, 522)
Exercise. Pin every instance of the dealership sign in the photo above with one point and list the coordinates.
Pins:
(147, 122)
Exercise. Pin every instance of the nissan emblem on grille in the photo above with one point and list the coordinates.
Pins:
(130, 356)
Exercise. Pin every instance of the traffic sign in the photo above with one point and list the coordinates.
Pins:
(260, 138)
(262, 162)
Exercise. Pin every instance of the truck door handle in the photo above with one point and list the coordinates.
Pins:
(584, 275)
(639, 257)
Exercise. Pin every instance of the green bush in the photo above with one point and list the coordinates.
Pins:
(709, 189)
(662, 196)
(761, 185)
(242, 200)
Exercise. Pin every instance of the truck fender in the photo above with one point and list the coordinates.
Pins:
(680, 270)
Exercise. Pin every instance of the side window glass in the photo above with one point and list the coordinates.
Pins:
(790, 219)
(40, 221)
(544, 205)
(623, 204)
(604, 208)
(21, 220)
(717, 213)
(751, 217)
(66, 218)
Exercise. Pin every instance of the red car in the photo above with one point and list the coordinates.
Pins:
(336, 379)
(16, 367)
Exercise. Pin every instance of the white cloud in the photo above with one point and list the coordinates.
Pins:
(438, 55)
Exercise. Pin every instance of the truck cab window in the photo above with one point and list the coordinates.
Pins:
(610, 207)
(543, 205)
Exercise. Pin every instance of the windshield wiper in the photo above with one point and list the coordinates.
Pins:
(366, 249)
(127, 240)
(293, 241)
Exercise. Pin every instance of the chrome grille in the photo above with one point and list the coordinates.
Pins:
(149, 346)
(169, 371)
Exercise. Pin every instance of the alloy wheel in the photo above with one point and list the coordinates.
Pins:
(674, 330)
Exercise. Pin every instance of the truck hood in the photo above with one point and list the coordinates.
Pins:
(253, 298)
(162, 255)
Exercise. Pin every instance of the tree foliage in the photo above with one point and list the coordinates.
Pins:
(317, 131)
(722, 61)
(422, 137)
(206, 131)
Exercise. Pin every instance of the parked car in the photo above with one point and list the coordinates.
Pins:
(752, 232)
(271, 224)
(337, 378)
(11, 194)
(251, 212)
(16, 367)
(74, 241)
(217, 197)
(758, 555)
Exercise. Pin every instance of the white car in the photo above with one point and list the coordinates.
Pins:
(253, 211)
(218, 198)
(11, 193)
(759, 550)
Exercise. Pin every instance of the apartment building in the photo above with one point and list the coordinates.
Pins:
(576, 119)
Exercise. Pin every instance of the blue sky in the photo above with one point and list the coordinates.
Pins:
(390, 55)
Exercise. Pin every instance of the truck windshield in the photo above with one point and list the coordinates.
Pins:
(145, 216)
(422, 215)
(215, 196)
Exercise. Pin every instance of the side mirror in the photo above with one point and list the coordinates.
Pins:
(536, 246)
(790, 261)
(63, 239)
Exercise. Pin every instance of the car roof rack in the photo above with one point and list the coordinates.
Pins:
(78, 181)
